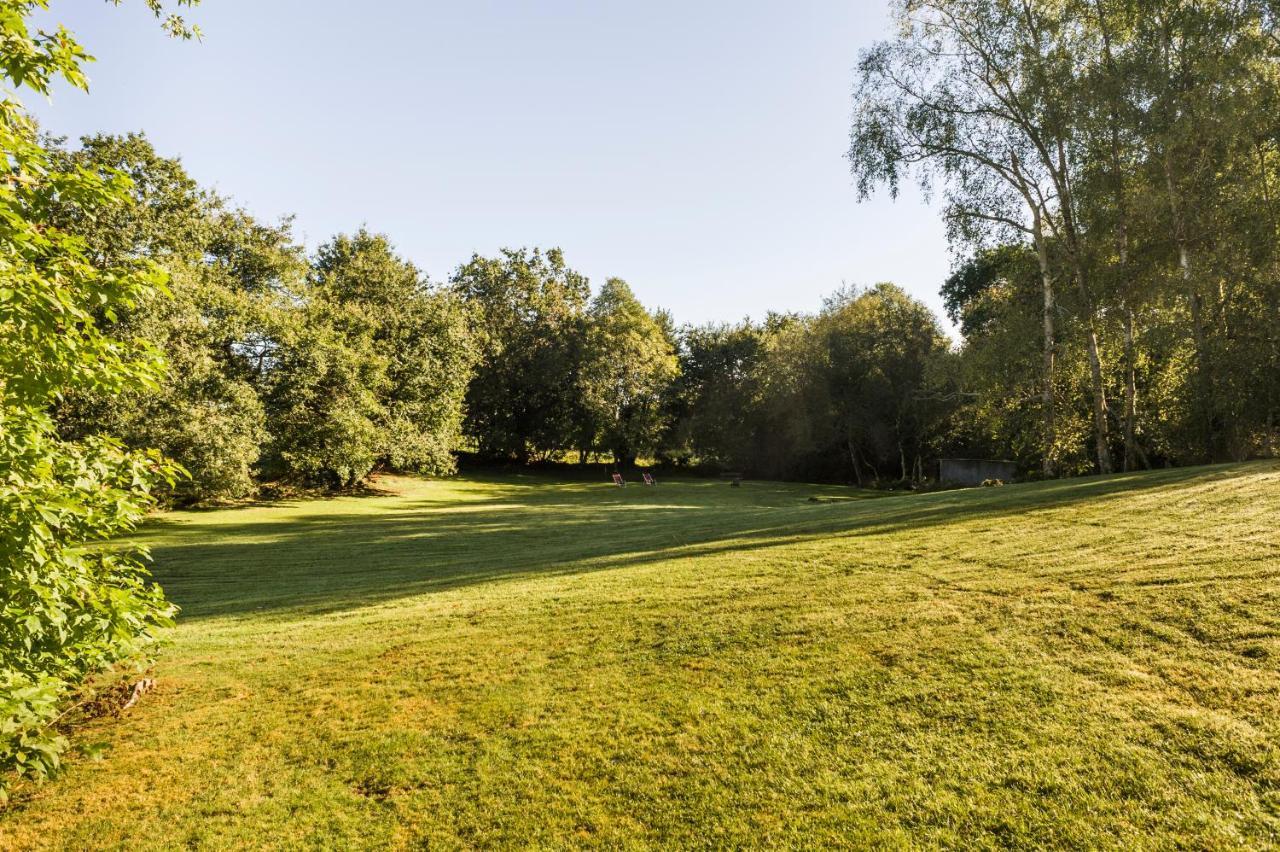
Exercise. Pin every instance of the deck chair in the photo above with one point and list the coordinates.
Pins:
(648, 479)
(619, 481)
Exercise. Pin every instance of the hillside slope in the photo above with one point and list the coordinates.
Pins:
(514, 661)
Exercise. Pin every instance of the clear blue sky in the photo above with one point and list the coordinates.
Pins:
(693, 148)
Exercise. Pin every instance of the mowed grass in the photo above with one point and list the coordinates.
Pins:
(524, 662)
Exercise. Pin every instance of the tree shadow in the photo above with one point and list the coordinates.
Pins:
(291, 563)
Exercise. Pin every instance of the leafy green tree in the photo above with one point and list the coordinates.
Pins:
(232, 280)
(68, 607)
(323, 402)
(317, 372)
(1203, 79)
(1133, 146)
(794, 430)
(966, 292)
(417, 339)
(995, 298)
(204, 412)
(982, 96)
(628, 367)
(530, 313)
(879, 346)
(716, 390)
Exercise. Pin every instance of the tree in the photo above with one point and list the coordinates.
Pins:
(795, 431)
(68, 608)
(628, 367)
(879, 346)
(371, 371)
(384, 306)
(530, 309)
(715, 392)
(1205, 75)
(231, 280)
(994, 296)
(239, 401)
(981, 95)
(323, 402)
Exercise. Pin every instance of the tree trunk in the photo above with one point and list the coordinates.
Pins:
(1070, 234)
(1131, 450)
(1204, 380)
(1129, 425)
(1047, 397)
(1130, 392)
(1273, 309)
(624, 458)
(1100, 426)
(853, 457)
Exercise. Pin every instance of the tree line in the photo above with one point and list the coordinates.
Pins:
(1087, 346)
(320, 369)
(1108, 173)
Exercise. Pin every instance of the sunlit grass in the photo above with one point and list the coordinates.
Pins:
(514, 660)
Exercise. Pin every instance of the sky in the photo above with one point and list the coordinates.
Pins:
(694, 148)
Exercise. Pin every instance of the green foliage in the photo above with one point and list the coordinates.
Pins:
(323, 398)
(203, 413)
(314, 372)
(374, 372)
(1117, 165)
(422, 333)
(794, 432)
(970, 294)
(714, 394)
(68, 606)
(861, 391)
(627, 368)
(881, 351)
(530, 311)
(231, 282)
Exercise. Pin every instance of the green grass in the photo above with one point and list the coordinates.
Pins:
(516, 661)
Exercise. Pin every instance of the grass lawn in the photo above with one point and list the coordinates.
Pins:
(521, 661)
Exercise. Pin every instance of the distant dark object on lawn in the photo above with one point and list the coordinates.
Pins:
(975, 471)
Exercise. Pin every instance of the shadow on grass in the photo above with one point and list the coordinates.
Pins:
(519, 526)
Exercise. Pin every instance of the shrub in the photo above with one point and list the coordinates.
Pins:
(69, 606)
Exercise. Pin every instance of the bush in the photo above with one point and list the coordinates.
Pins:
(69, 606)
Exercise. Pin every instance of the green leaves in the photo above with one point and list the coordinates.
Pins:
(627, 371)
(69, 606)
(372, 372)
(529, 311)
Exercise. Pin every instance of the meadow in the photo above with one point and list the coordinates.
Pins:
(523, 661)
